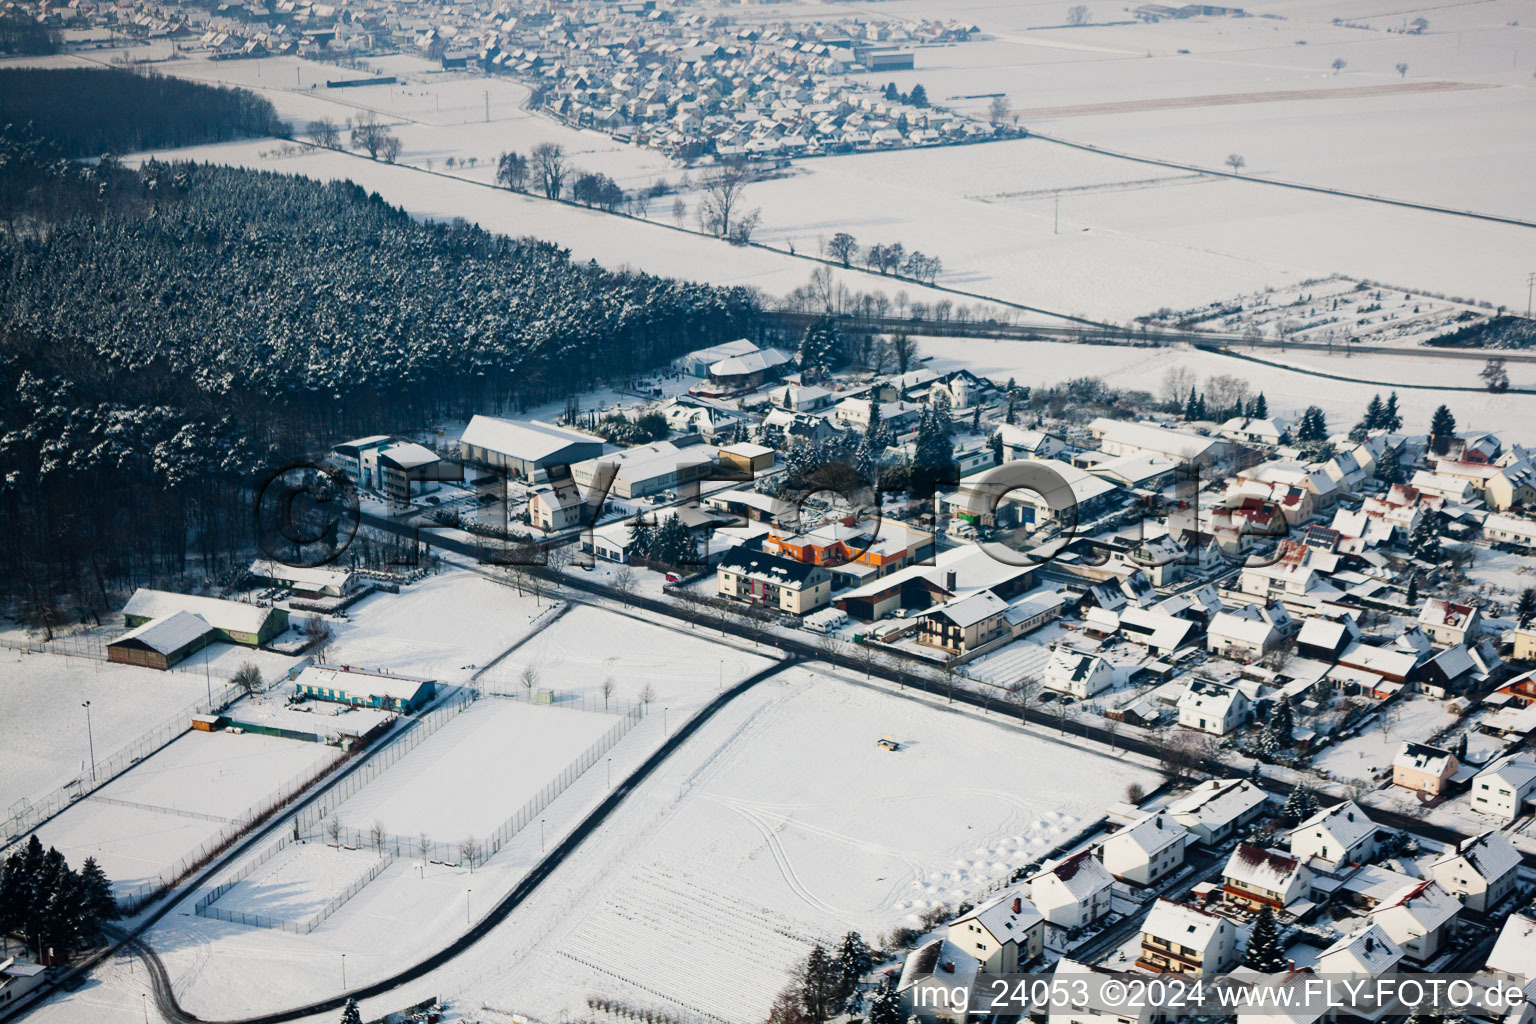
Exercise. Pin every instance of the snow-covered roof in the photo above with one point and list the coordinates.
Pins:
(1068, 665)
(939, 957)
(1491, 855)
(361, 681)
(1212, 698)
(308, 576)
(1427, 903)
(1182, 924)
(1421, 757)
(1152, 834)
(1236, 626)
(1264, 869)
(1009, 916)
(1148, 437)
(751, 362)
(1515, 950)
(409, 455)
(1216, 802)
(969, 610)
(532, 440)
(170, 634)
(1081, 875)
(1368, 950)
(1346, 822)
(230, 616)
(1517, 770)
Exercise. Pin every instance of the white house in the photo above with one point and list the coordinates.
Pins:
(1082, 675)
(1339, 835)
(936, 976)
(1003, 935)
(1094, 1003)
(1074, 892)
(1256, 878)
(1179, 939)
(1214, 810)
(1481, 871)
(1419, 917)
(1147, 850)
(1514, 952)
(1449, 623)
(1215, 708)
(1360, 956)
(1248, 633)
(1506, 786)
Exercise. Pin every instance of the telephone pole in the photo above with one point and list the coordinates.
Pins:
(1530, 285)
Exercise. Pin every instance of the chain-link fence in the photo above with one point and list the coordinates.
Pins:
(204, 907)
(28, 815)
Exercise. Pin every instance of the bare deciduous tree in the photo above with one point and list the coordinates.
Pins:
(997, 110)
(1236, 161)
(722, 186)
(903, 350)
(607, 690)
(376, 836)
(647, 694)
(469, 852)
(1077, 14)
(550, 168)
(529, 677)
(333, 830)
(319, 634)
(248, 678)
(624, 582)
(324, 133)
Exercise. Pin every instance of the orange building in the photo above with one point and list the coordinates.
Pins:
(856, 552)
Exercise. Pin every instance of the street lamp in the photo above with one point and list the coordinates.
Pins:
(610, 773)
(145, 997)
(541, 835)
(466, 905)
(89, 738)
(343, 972)
(663, 721)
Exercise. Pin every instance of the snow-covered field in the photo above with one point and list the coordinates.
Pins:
(298, 882)
(782, 824)
(444, 627)
(684, 668)
(1413, 719)
(476, 771)
(177, 800)
(43, 742)
(1287, 392)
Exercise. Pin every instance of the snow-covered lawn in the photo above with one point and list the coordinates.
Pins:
(182, 798)
(444, 627)
(1415, 719)
(297, 882)
(476, 771)
(43, 742)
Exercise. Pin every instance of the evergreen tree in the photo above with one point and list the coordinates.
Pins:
(1391, 416)
(1313, 427)
(1374, 413)
(1525, 608)
(1255, 775)
(996, 444)
(1388, 469)
(885, 1007)
(853, 961)
(919, 96)
(1442, 426)
(642, 537)
(933, 457)
(1191, 407)
(671, 542)
(820, 347)
(819, 984)
(1424, 541)
(976, 420)
(1281, 721)
(350, 1014)
(1264, 951)
(1413, 589)
(1261, 407)
(97, 902)
(1299, 806)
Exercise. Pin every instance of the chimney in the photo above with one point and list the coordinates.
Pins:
(949, 580)
(1290, 965)
(1018, 904)
(1159, 821)
(948, 967)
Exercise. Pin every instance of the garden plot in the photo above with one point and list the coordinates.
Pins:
(1414, 719)
(43, 742)
(683, 667)
(442, 628)
(783, 824)
(1287, 391)
(165, 810)
(298, 882)
(476, 771)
